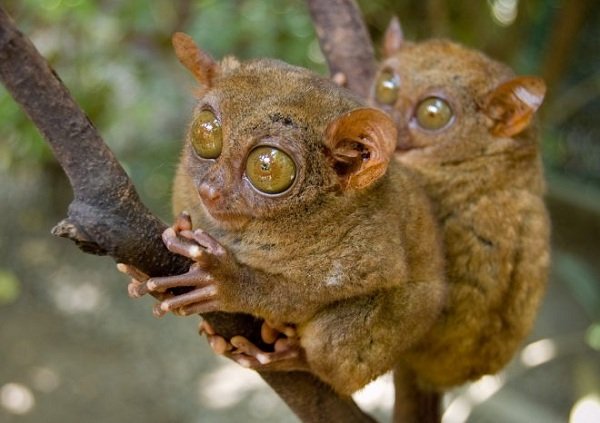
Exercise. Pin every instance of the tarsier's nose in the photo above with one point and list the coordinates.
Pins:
(209, 194)
(404, 141)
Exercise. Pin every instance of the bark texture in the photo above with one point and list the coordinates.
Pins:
(345, 42)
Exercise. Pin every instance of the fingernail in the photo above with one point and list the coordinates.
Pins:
(195, 251)
(263, 358)
(157, 312)
(217, 347)
(132, 291)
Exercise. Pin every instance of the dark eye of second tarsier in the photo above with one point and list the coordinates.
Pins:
(433, 113)
(270, 170)
(206, 135)
(386, 87)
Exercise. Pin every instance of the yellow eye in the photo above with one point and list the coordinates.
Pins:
(386, 87)
(270, 170)
(206, 135)
(433, 113)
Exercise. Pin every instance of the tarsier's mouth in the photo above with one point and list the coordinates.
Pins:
(227, 217)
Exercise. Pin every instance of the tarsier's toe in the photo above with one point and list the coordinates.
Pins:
(205, 328)
(217, 343)
(271, 331)
(245, 347)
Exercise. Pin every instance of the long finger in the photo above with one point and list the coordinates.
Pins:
(198, 308)
(181, 245)
(199, 295)
(132, 271)
(195, 277)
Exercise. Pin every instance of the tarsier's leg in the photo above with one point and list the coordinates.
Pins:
(287, 354)
(353, 342)
(346, 345)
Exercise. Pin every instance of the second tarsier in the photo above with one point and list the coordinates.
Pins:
(465, 126)
(298, 215)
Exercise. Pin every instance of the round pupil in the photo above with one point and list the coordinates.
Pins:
(386, 88)
(433, 113)
(206, 135)
(270, 170)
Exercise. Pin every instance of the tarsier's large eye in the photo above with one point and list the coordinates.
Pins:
(206, 135)
(270, 170)
(433, 113)
(386, 87)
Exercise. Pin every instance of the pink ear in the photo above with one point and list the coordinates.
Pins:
(393, 38)
(512, 104)
(360, 145)
(202, 66)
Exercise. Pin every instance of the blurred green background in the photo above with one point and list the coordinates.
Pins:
(73, 347)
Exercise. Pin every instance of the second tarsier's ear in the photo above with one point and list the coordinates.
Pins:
(202, 66)
(393, 38)
(512, 104)
(360, 145)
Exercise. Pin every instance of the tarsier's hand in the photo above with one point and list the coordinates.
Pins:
(212, 266)
(287, 354)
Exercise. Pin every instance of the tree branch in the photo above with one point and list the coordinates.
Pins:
(345, 42)
(107, 217)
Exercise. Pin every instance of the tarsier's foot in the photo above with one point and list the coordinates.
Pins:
(287, 354)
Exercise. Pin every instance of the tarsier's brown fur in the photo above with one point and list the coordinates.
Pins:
(350, 255)
(484, 175)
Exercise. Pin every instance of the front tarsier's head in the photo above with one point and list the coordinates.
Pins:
(268, 139)
(451, 103)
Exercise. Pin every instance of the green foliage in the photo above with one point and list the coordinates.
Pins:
(10, 287)
(116, 58)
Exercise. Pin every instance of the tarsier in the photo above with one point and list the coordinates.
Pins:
(301, 218)
(465, 127)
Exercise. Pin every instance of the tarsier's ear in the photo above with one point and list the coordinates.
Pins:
(202, 66)
(360, 145)
(512, 104)
(393, 38)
